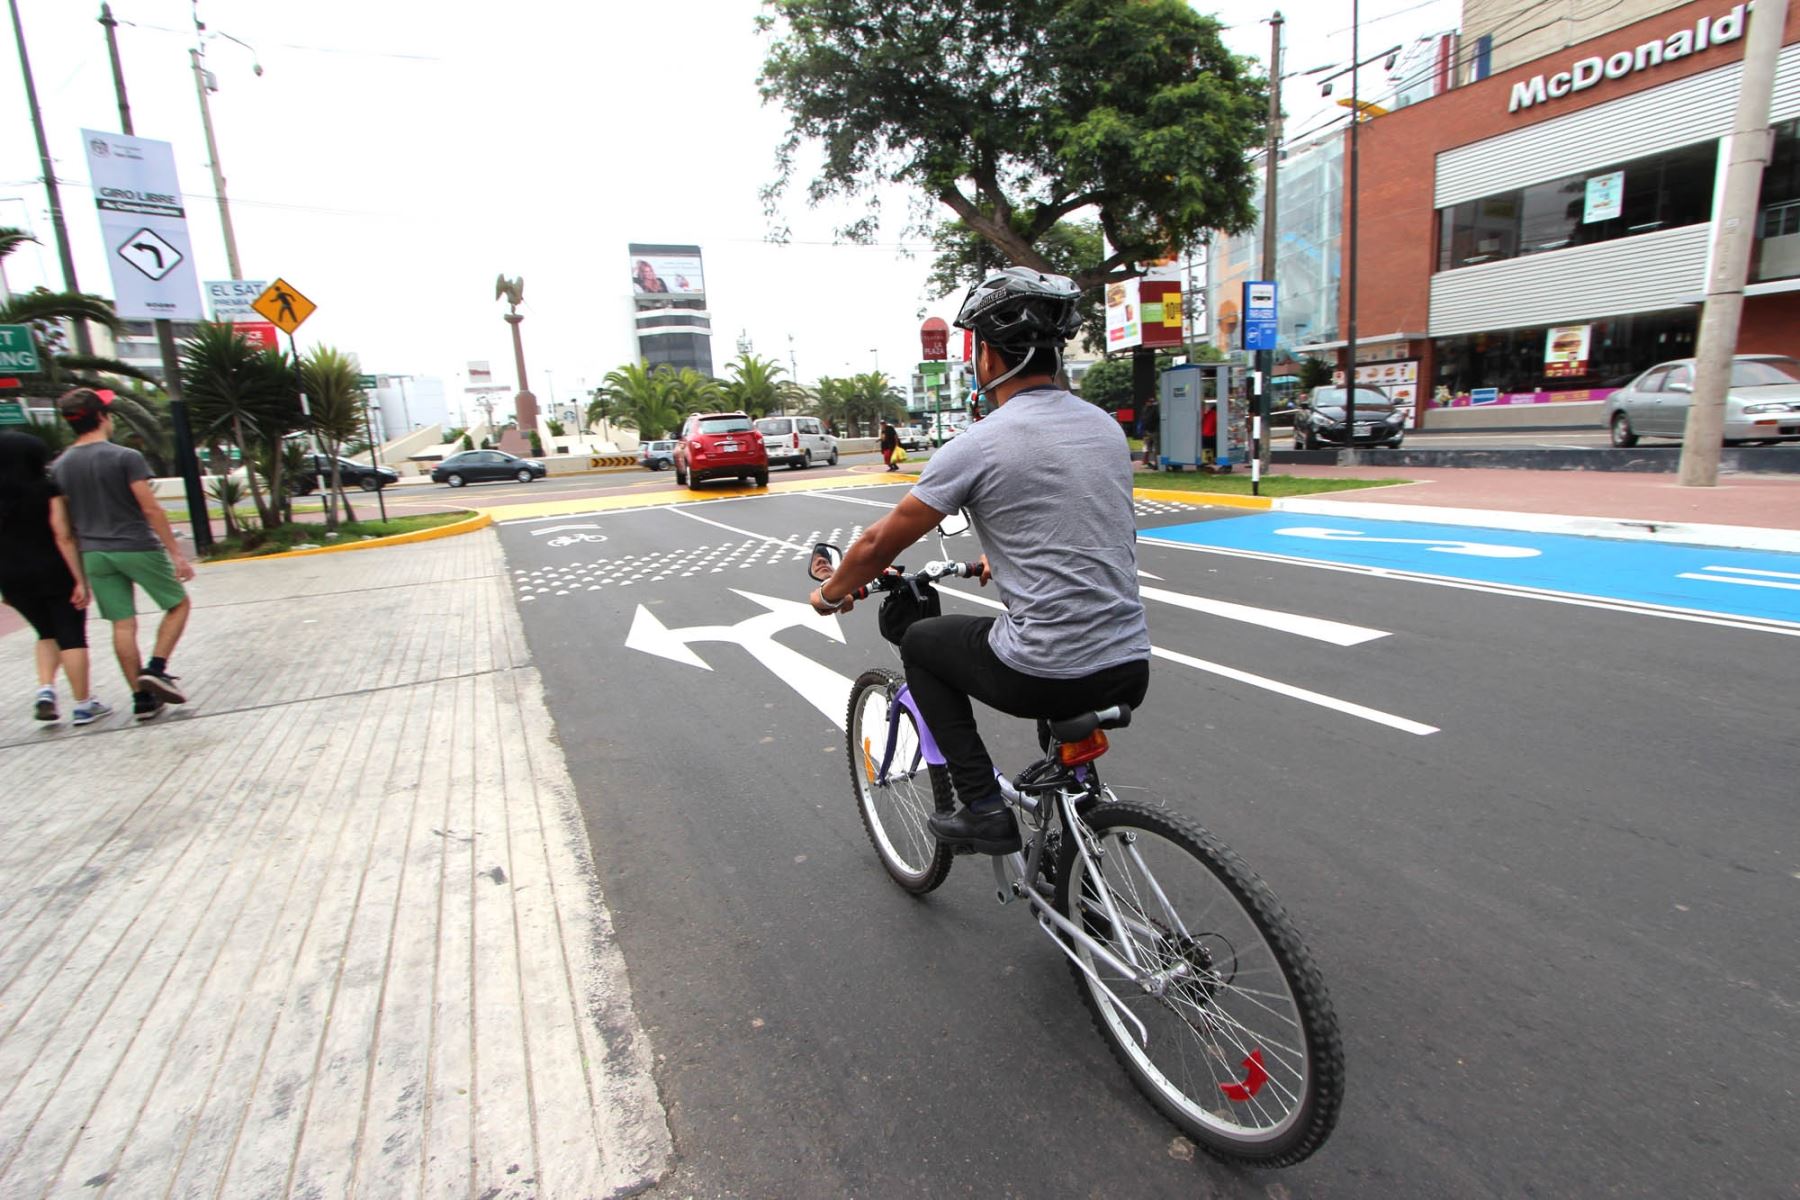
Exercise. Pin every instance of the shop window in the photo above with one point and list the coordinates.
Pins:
(1512, 360)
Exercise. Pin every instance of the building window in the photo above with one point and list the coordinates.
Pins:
(1778, 221)
(1512, 360)
(1661, 191)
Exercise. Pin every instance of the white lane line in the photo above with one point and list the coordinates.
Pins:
(1517, 591)
(1318, 628)
(1403, 724)
(1148, 575)
(1754, 571)
(849, 499)
(1768, 583)
(734, 529)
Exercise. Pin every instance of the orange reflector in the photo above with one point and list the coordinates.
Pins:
(868, 762)
(1073, 754)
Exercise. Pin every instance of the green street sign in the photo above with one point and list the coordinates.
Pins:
(12, 412)
(18, 353)
(366, 382)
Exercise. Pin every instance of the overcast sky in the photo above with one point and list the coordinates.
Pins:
(394, 158)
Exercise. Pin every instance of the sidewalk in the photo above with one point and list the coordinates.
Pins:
(331, 928)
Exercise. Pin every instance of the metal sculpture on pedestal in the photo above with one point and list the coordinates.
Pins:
(513, 292)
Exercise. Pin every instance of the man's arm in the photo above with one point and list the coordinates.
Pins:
(159, 521)
(871, 553)
(65, 542)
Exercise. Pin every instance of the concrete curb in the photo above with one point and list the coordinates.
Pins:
(1733, 537)
(478, 521)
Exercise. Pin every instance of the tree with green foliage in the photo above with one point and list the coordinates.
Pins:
(537, 444)
(655, 400)
(333, 384)
(468, 443)
(247, 396)
(755, 385)
(556, 427)
(1314, 372)
(1019, 115)
(45, 311)
(1108, 383)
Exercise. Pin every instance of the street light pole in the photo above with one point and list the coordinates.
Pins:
(84, 342)
(218, 172)
(1350, 270)
(1266, 358)
(186, 462)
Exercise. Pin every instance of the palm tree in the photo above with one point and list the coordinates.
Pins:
(870, 399)
(690, 391)
(653, 400)
(244, 395)
(829, 402)
(45, 311)
(330, 378)
(756, 385)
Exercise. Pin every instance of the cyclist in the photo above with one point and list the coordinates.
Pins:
(1046, 481)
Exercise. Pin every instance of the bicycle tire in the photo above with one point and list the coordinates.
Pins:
(930, 861)
(1319, 1095)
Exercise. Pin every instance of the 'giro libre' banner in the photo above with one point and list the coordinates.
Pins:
(144, 227)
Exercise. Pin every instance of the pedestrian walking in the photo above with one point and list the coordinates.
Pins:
(1152, 434)
(41, 576)
(890, 442)
(126, 543)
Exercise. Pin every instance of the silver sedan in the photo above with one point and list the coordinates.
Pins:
(1763, 404)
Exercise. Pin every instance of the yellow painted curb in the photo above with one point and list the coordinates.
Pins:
(599, 504)
(1223, 499)
(480, 520)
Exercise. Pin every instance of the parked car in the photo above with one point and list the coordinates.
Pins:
(1319, 419)
(914, 437)
(657, 456)
(797, 441)
(352, 474)
(1762, 404)
(486, 466)
(719, 444)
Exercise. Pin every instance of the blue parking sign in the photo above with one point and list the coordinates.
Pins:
(1261, 315)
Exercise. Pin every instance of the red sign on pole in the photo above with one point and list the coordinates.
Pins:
(260, 334)
(934, 337)
(968, 345)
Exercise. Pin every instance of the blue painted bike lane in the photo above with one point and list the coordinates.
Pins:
(1762, 585)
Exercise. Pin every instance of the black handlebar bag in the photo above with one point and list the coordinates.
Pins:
(904, 607)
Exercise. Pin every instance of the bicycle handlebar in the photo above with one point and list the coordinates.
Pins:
(897, 577)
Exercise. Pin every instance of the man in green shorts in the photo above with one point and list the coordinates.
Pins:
(126, 543)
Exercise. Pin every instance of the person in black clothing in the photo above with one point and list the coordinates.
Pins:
(890, 442)
(41, 574)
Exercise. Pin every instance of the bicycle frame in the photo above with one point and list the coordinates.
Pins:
(1012, 872)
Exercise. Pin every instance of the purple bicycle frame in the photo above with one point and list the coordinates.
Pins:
(928, 746)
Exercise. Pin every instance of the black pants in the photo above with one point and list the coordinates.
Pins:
(949, 663)
(52, 617)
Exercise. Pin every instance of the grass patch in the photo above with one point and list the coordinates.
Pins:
(255, 543)
(1238, 483)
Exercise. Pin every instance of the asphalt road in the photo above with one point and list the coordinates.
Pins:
(1559, 931)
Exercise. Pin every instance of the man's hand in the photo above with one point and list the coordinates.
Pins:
(824, 607)
(184, 570)
(987, 572)
(79, 597)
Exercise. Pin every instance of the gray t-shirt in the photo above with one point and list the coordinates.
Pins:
(96, 479)
(1047, 483)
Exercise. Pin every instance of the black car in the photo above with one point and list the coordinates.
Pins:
(486, 466)
(1319, 420)
(352, 474)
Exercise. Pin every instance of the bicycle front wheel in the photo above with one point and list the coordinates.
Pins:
(1236, 1042)
(895, 807)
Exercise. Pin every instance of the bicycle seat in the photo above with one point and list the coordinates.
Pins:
(1073, 729)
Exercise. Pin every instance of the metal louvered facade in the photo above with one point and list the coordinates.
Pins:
(1694, 109)
(1648, 273)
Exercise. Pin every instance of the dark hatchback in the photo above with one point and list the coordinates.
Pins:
(486, 466)
(1319, 419)
(352, 474)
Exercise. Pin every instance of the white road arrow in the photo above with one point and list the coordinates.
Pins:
(1439, 545)
(818, 685)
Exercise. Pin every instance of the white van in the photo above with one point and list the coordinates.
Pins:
(797, 441)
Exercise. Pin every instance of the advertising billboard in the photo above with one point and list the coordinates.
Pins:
(1124, 327)
(667, 271)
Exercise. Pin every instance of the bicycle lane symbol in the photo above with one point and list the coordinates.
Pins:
(817, 684)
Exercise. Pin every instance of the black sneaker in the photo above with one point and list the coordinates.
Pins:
(146, 707)
(44, 707)
(163, 686)
(990, 833)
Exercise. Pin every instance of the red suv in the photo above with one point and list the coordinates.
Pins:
(717, 444)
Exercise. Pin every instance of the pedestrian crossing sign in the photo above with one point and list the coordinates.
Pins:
(282, 305)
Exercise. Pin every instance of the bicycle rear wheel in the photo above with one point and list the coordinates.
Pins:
(1241, 1049)
(895, 810)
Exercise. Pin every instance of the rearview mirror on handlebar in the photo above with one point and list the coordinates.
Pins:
(953, 525)
(825, 560)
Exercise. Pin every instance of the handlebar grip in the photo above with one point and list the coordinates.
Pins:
(970, 570)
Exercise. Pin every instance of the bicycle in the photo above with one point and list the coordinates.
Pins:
(1192, 971)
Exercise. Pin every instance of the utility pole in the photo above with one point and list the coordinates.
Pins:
(1266, 358)
(84, 343)
(186, 462)
(1350, 271)
(212, 154)
(1733, 235)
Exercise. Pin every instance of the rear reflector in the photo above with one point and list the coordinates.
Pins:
(1073, 754)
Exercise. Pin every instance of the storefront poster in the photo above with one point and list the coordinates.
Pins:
(1398, 381)
(1566, 350)
(1605, 197)
(1124, 330)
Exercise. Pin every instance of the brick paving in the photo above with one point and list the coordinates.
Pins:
(330, 929)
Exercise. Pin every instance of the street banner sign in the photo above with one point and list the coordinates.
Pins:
(12, 412)
(18, 353)
(282, 305)
(1124, 329)
(934, 336)
(231, 299)
(1159, 307)
(1261, 316)
(260, 334)
(144, 227)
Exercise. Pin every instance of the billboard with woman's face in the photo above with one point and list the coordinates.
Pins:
(667, 275)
